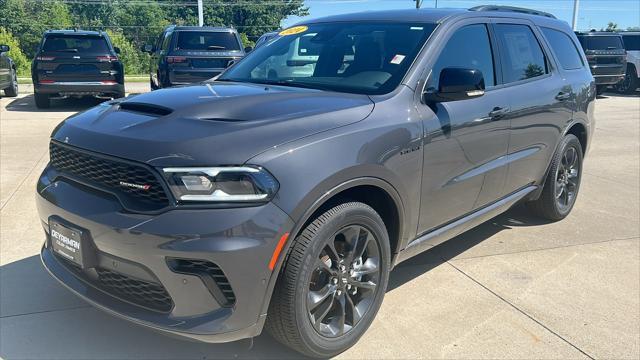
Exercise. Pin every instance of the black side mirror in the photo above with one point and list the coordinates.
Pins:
(147, 48)
(248, 49)
(116, 49)
(457, 84)
(4, 48)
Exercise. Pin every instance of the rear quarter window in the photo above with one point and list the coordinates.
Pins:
(564, 49)
(631, 42)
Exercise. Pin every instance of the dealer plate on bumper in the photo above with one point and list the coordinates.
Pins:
(69, 243)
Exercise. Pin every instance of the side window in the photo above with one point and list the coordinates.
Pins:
(564, 48)
(522, 55)
(470, 48)
(166, 41)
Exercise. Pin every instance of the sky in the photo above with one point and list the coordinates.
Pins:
(592, 13)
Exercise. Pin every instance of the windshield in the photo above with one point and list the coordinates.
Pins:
(203, 41)
(600, 42)
(366, 58)
(76, 44)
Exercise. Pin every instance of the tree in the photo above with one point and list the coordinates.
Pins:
(134, 61)
(611, 26)
(15, 53)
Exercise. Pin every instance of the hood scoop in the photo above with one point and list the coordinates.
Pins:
(147, 109)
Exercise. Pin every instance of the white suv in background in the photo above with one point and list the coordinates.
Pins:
(631, 81)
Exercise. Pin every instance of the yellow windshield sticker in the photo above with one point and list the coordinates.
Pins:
(294, 30)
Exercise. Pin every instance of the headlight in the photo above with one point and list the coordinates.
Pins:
(221, 184)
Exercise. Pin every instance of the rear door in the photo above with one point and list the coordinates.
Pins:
(540, 99)
(5, 71)
(76, 58)
(467, 140)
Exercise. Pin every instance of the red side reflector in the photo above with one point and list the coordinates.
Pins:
(276, 252)
(46, 81)
(176, 59)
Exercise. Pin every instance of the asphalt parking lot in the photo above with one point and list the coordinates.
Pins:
(514, 287)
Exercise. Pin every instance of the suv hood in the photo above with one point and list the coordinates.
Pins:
(209, 124)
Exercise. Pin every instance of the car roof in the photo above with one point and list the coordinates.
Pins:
(74, 32)
(201, 28)
(597, 33)
(430, 15)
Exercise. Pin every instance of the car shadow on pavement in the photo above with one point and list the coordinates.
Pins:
(27, 104)
(39, 318)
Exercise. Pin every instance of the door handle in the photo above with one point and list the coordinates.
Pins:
(562, 96)
(498, 112)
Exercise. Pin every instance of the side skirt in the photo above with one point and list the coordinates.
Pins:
(459, 226)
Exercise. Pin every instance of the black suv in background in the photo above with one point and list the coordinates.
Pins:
(189, 54)
(76, 63)
(606, 55)
(8, 75)
(281, 199)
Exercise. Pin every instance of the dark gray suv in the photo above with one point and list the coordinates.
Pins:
(282, 193)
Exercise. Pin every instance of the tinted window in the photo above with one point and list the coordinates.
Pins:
(76, 44)
(631, 42)
(458, 52)
(601, 42)
(201, 40)
(564, 48)
(166, 41)
(357, 57)
(522, 56)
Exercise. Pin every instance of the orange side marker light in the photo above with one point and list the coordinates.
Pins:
(277, 251)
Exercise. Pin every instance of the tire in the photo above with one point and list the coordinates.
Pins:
(312, 270)
(42, 101)
(12, 90)
(562, 184)
(630, 82)
(119, 95)
(600, 89)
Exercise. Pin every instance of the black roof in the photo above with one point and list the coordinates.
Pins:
(201, 28)
(75, 32)
(597, 33)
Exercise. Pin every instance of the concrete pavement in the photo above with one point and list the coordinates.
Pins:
(515, 287)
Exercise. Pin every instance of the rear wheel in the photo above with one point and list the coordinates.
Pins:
(42, 101)
(563, 181)
(332, 283)
(630, 82)
(12, 90)
(600, 89)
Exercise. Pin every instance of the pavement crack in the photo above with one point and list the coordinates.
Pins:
(45, 311)
(519, 310)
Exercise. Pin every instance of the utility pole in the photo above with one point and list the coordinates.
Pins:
(200, 14)
(436, 4)
(418, 3)
(574, 24)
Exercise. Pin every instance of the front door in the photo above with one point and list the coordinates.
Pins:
(466, 141)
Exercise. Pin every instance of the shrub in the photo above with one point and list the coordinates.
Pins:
(135, 61)
(21, 61)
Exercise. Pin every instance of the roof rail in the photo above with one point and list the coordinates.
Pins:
(511, 9)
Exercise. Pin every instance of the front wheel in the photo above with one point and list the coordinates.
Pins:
(332, 283)
(630, 82)
(563, 181)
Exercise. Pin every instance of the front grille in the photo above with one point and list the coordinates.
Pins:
(134, 182)
(143, 293)
(212, 276)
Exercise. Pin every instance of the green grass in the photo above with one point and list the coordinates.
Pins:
(127, 79)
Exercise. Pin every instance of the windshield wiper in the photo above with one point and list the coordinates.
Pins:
(215, 47)
(291, 83)
(68, 50)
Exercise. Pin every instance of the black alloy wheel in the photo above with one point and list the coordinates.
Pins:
(344, 281)
(567, 179)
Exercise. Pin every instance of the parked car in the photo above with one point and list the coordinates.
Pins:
(189, 54)
(265, 38)
(76, 63)
(8, 74)
(631, 80)
(255, 201)
(606, 55)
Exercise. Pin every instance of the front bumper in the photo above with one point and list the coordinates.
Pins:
(241, 241)
(73, 88)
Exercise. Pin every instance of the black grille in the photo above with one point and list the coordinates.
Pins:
(140, 184)
(212, 276)
(143, 293)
